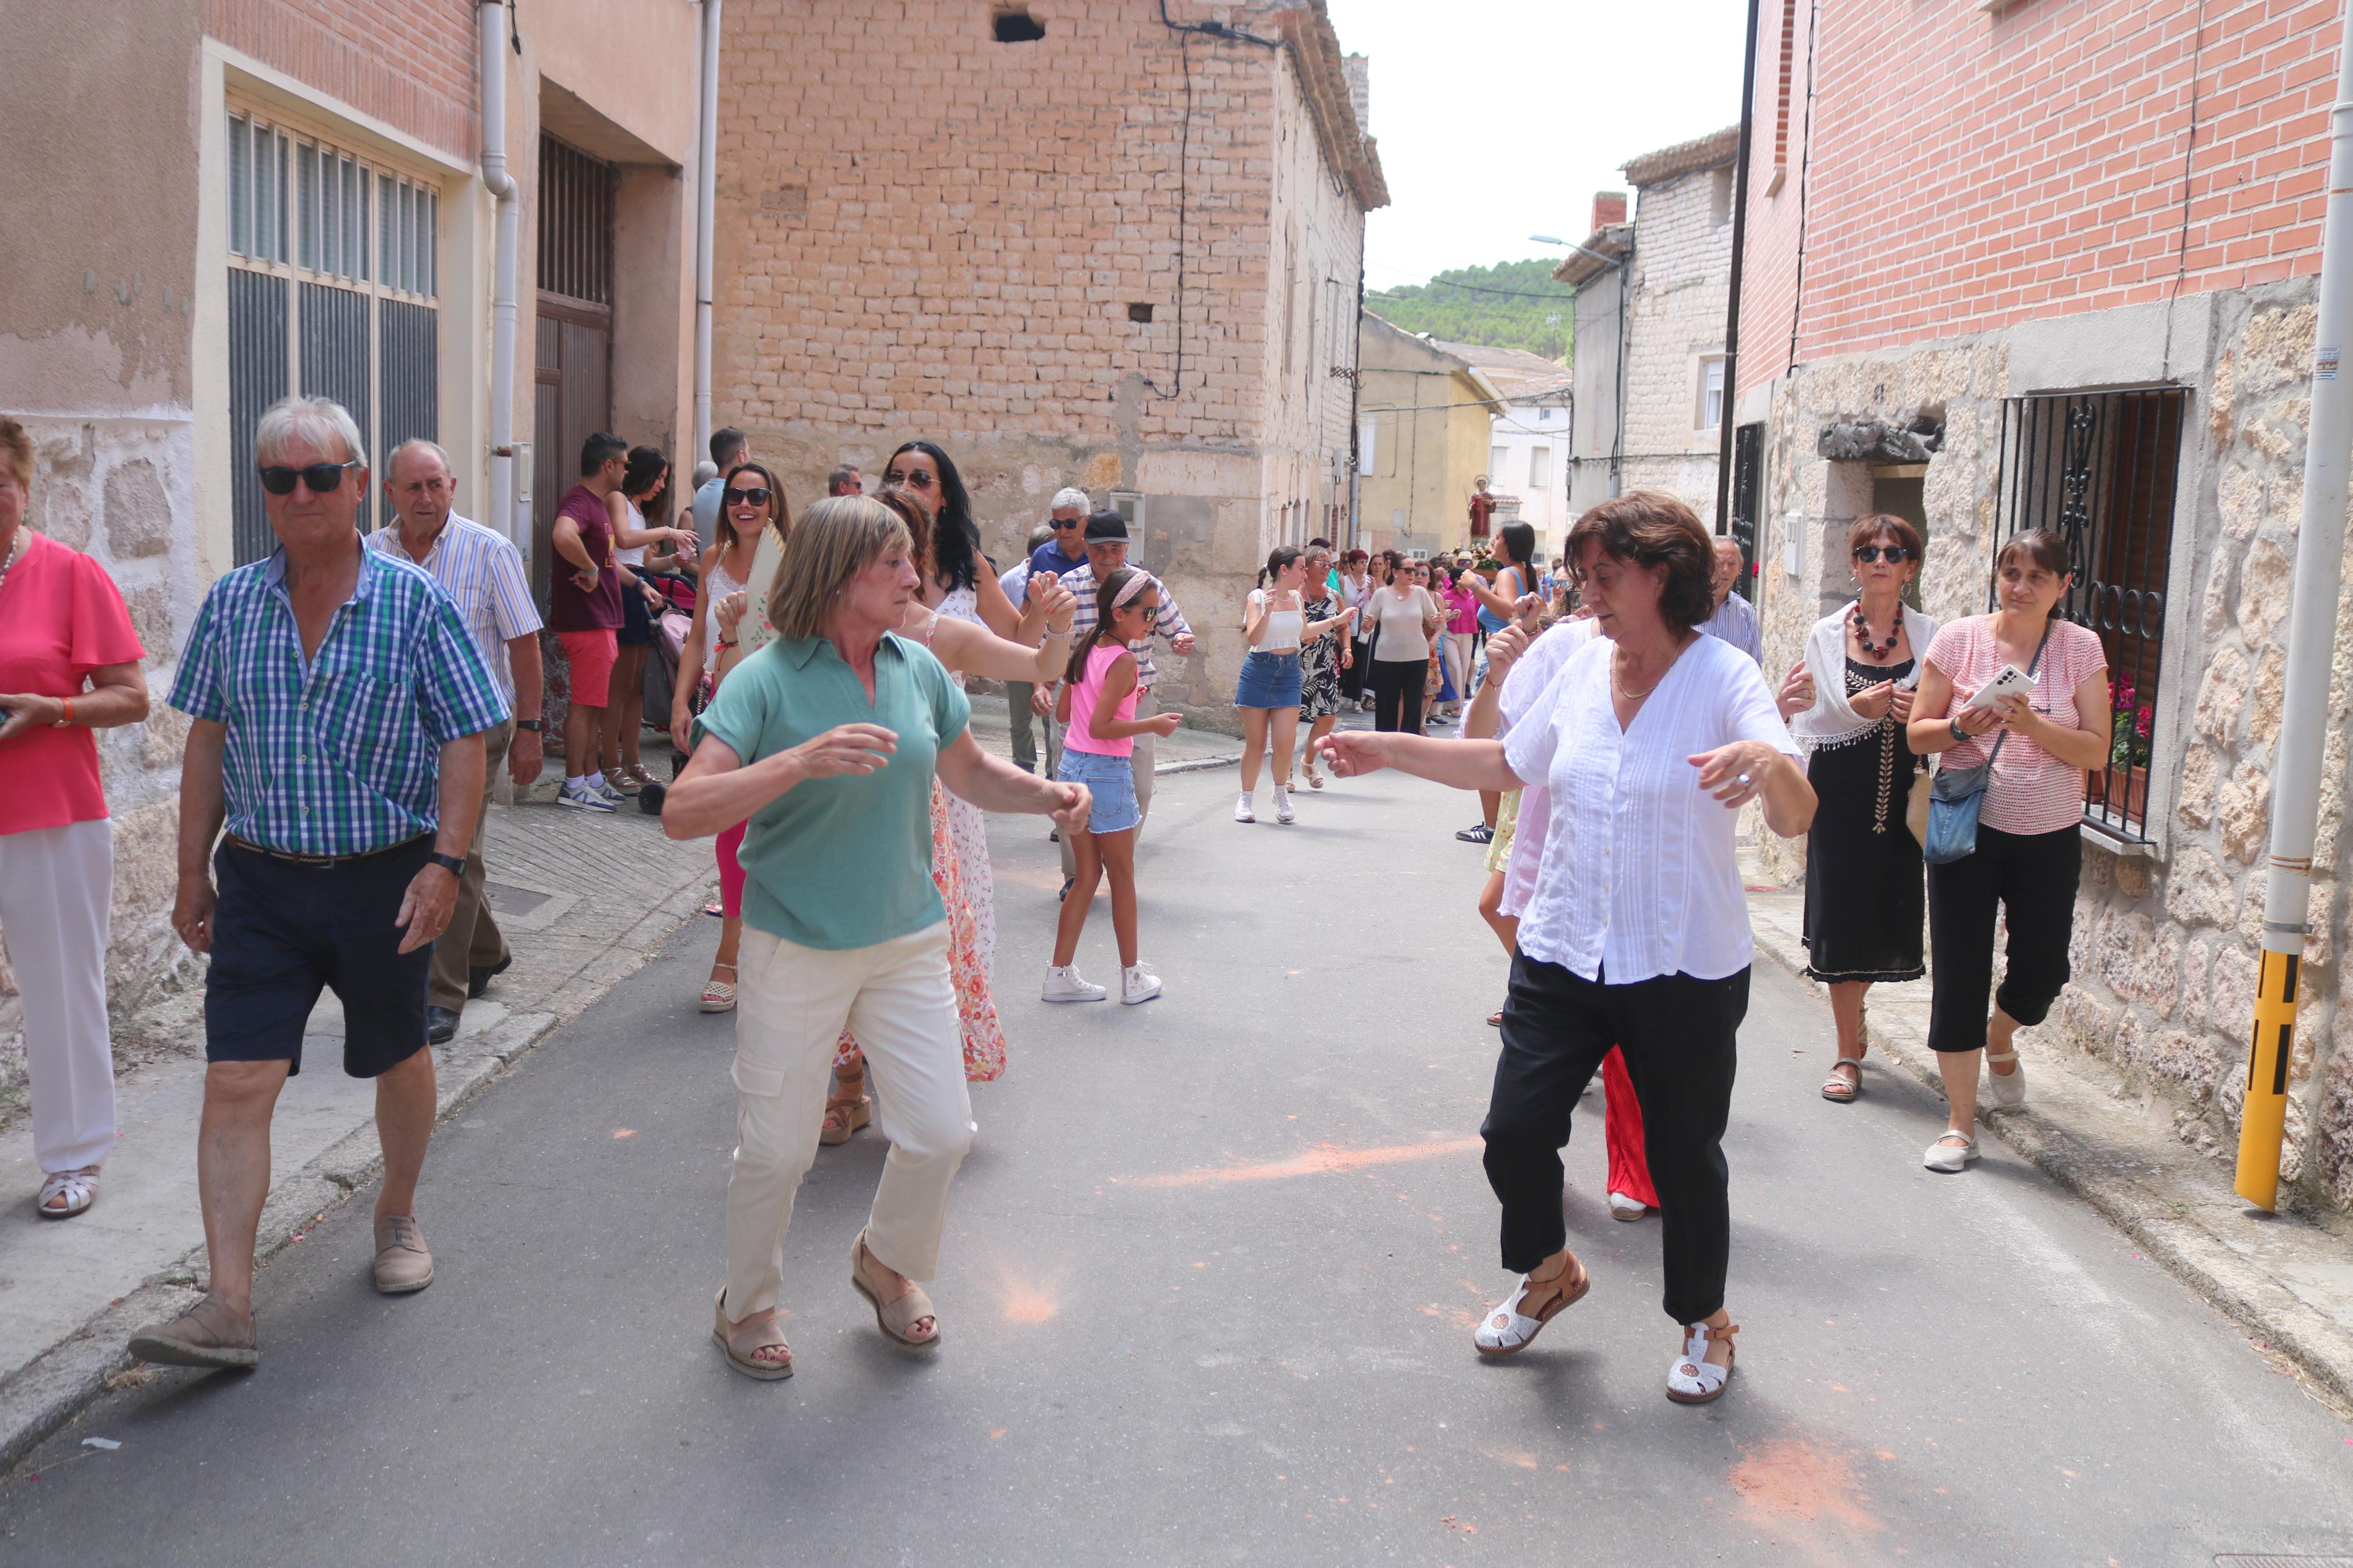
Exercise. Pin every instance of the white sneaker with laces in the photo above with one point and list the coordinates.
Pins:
(1282, 812)
(1137, 983)
(1065, 983)
(604, 786)
(2005, 1090)
(583, 797)
(1245, 809)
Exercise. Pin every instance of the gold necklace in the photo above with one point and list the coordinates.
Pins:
(1619, 688)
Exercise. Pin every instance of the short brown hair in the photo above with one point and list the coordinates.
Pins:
(2043, 546)
(835, 540)
(16, 449)
(1651, 528)
(1868, 529)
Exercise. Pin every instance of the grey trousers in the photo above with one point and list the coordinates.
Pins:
(1025, 744)
(473, 939)
(1146, 705)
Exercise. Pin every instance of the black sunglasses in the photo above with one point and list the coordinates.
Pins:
(278, 479)
(1891, 554)
(918, 480)
(747, 497)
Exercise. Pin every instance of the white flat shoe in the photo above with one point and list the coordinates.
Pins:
(2005, 1090)
(1951, 1155)
(1629, 1209)
(1137, 983)
(1507, 1330)
(1065, 983)
(1694, 1380)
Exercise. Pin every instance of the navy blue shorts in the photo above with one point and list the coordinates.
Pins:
(637, 627)
(282, 932)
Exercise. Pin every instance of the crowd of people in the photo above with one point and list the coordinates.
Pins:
(349, 696)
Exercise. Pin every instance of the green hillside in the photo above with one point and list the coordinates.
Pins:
(1511, 305)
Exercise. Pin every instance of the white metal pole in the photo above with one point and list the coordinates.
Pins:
(2312, 633)
(491, 17)
(706, 177)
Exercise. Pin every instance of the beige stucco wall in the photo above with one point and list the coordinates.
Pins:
(1424, 464)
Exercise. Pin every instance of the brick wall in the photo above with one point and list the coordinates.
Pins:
(1682, 273)
(409, 63)
(1963, 171)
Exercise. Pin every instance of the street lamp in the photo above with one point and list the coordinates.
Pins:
(1549, 239)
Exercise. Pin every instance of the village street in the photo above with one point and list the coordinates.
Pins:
(1210, 1274)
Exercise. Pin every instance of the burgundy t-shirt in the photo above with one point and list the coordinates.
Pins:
(571, 608)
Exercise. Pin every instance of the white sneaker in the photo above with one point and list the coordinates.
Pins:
(583, 797)
(1137, 983)
(1951, 1159)
(2005, 1090)
(1065, 983)
(1245, 809)
(604, 786)
(1282, 812)
(1630, 1209)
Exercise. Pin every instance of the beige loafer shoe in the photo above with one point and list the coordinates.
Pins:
(210, 1333)
(401, 1262)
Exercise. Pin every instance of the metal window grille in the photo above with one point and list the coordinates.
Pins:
(576, 223)
(1747, 488)
(2100, 469)
(334, 355)
(258, 362)
(408, 373)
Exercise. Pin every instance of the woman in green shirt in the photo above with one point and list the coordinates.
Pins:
(826, 740)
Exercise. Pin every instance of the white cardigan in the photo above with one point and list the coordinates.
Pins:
(1830, 721)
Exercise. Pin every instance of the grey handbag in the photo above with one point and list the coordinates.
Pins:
(1958, 794)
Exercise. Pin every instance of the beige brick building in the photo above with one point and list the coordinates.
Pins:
(1070, 244)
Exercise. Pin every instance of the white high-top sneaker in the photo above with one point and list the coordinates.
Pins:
(1137, 983)
(1282, 812)
(1065, 983)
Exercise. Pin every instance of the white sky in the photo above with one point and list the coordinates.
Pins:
(1499, 119)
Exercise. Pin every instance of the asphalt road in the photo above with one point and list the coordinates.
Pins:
(1208, 1294)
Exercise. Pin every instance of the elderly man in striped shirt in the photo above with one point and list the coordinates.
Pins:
(337, 707)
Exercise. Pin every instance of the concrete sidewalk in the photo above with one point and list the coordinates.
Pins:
(2287, 1278)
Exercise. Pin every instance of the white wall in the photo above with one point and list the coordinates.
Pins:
(1519, 433)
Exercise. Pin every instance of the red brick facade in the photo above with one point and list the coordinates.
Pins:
(405, 62)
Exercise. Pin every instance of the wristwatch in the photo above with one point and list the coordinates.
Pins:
(449, 863)
(533, 725)
(1959, 734)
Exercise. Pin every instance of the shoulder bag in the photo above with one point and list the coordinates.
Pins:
(1959, 795)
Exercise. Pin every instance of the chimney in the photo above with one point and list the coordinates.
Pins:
(1357, 69)
(1609, 207)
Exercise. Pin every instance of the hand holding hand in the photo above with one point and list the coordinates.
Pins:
(1041, 701)
(426, 908)
(1183, 643)
(846, 748)
(1735, 774)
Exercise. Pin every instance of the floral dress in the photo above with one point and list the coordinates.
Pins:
(1319, 664)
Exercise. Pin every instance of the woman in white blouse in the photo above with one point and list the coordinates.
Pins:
(1648, 740)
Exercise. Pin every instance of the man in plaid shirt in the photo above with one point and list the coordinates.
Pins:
(338, 706)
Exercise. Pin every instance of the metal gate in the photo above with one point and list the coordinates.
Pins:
(258, 363)
(1748, 486)
(334, 355)
(408, 340)
(573, 364)
(2100, 469)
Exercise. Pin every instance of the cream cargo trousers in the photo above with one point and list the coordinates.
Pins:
(792, 1002)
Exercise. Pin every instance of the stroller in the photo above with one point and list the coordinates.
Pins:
(671, 627)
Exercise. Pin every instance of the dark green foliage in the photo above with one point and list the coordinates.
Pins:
(1511, 305)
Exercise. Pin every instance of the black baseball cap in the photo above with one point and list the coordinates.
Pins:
(1107, 525)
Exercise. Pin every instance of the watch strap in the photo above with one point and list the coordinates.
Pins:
(452, 864)
(533, 725)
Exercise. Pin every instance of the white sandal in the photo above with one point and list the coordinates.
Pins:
(718, 995)
(80, 1188)
(1695, 1380)
(1507, 1330)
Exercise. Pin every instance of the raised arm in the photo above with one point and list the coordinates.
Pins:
(1463, 764)
(976, 650)
(996, 611)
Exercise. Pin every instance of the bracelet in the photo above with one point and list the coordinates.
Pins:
(66, 717)
(1959, 734)
(729, 642)
(1050, 632)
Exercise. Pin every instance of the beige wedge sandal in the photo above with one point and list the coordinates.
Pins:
(896, 1319)
(742, 1343)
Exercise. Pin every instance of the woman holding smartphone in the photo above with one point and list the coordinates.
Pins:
(2030, 846)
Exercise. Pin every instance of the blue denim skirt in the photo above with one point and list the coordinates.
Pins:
(1268, 681)
(1112, 783)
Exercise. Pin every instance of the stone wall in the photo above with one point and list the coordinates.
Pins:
(2164, 952)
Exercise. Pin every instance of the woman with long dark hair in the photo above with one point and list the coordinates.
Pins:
(1275, 628)
(955, 575)
(636, 510)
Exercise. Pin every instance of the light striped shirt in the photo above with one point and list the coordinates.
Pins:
(1169, 622)
(483, 575)
(338, 754)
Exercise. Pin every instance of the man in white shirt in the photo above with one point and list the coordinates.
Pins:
(729, 446)
(1736, 618)
(483, 575)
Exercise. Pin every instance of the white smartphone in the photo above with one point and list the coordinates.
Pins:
(2008, 681)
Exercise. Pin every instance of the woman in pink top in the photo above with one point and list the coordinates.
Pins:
(1461, 611)
(1098, 708)
(69, 664)
(2030, 846)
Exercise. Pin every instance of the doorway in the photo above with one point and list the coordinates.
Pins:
(573, 362)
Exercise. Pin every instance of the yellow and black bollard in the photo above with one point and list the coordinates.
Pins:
(2264, 1119)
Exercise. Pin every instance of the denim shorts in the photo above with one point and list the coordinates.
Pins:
(1112, 781)
(1268, 681)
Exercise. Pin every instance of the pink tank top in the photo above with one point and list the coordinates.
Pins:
(1084, 696)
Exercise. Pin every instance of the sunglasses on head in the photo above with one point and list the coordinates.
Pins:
(748, 497)
(919, 480)
(278, 479)
(1891, 554)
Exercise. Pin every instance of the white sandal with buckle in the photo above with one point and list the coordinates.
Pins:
(1695, 1380)
(1507, 1330)
(80, 1189)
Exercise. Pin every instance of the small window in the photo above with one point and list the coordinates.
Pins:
(1497, 457)
(1016, 27)
(1711, 393)
(1719, 201)
(1139, 311)
(1540, 467)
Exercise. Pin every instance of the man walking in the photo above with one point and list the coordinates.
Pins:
(484, 577)
(1106, 537)
(584, 604)
(1736, 618)
(729, 446)
(1064, 552)
(844, 480)
(336, 707)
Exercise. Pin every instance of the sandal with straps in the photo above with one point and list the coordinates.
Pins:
(896, 1319)
(848, 1109)
(742, 1343)
(79, 1188)
(1507, 1330)
(718, 995)
(1839, 1088)
(1694, 1379)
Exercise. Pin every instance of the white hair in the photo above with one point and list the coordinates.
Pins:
(318, 422)
(415, 443)
(705, 473)
(1071, 495)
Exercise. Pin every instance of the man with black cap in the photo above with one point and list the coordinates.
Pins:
(1106, 554)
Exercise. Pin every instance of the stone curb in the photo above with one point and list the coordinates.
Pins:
(1196, 764)
(2164, 1215)
(47, 1393)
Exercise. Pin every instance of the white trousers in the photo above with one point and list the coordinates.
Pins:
(57, 890)
(791, 1005)
(1455, 651)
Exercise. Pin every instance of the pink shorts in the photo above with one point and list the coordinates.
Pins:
(591, 656)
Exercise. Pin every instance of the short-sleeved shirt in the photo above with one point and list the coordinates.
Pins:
(1736, 622)
(707, 496)
(483, 575)
(1463, 609)
(60, 617)
(2030, 791)
(1639, 876)
(570, 608)
(338, 754)
(846, 862)
(1169, 622)
(1050, 557)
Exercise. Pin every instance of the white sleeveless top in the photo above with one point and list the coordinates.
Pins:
(635, 554)
(718, 585)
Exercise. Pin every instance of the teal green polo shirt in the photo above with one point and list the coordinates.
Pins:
(845, 862)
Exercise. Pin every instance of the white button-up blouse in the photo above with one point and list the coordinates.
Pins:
(1639, 876)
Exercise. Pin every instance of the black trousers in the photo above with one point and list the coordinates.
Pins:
(2033, 877)
(1396, 693)
(1678, 1035)
(1352, 679)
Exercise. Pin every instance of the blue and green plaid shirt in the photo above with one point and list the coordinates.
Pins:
(339, 754)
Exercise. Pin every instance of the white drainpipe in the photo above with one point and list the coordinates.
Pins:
(706, 175)
(492, 18)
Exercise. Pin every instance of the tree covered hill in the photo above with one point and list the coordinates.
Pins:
(1511, 305)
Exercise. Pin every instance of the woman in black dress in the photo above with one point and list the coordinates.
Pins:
(1321, 660)
(1847, 703)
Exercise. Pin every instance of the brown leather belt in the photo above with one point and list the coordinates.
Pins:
(321, 860)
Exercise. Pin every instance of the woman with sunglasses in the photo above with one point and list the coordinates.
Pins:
(751, 503)
(956, 577)
(1847, 703)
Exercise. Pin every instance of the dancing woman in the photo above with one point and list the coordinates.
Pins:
(1649, 737)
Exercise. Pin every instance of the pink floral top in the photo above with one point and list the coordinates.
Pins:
(2032, 791)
